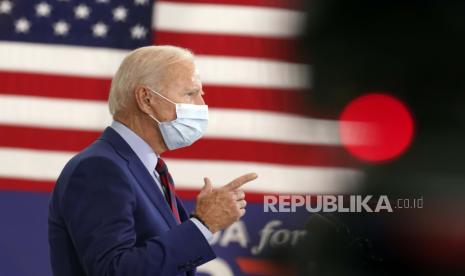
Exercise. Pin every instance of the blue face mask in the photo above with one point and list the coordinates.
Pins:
(189, 126)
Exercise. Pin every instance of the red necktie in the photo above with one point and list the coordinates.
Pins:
(168, 186)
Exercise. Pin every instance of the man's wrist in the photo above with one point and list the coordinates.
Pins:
(193, 215)
(208, 235)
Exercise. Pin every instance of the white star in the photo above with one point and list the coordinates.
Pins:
(102, 1)
(82, 11)
(22, 25)
(61, 28)
(99, 29)
(120, 13)
(138, 32)
(6, 6)
(141, 2)
(43, 9)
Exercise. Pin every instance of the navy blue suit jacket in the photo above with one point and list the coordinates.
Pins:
(108, 217)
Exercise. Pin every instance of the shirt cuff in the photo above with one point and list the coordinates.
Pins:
(205, 232)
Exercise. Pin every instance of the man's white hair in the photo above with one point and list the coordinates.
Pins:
(143, 66)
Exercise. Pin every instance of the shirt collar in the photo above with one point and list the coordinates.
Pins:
(145, 153)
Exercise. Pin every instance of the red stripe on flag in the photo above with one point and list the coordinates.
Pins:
(65, 87)
(266, 152)
(284, 4)
(45, 138)
(205, 149)
(276, 100)
(31, 185)
(230, 45)
(54, 86)
(251, 197)
(25, 185)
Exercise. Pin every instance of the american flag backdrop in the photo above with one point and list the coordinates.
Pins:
(57, 58)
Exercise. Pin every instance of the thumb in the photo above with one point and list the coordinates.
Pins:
(207, 187)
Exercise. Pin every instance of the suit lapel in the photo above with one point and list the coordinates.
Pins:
(144, 179)
(149, 186)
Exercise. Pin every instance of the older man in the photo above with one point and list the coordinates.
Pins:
(114, 210)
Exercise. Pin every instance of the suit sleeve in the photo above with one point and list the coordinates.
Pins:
(98, 206)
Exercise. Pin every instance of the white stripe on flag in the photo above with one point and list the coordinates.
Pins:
(252, 72)
(46, 165)
(59, 59)
(272, 178)
(224, 123)
(227, 19)
(98, 62)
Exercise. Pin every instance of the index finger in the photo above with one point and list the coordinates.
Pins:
(241, 180)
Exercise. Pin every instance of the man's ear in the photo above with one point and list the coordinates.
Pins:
(143, 98)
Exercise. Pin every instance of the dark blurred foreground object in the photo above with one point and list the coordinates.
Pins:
(415, 51)
(331, 249)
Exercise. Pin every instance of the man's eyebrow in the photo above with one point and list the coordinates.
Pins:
(194, 90)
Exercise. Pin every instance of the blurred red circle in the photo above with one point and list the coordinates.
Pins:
(376, 127)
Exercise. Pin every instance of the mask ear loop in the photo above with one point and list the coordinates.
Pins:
(154, 118)
(163, 97)
(153, 91)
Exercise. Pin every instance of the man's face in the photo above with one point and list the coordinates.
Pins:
(181, 85)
